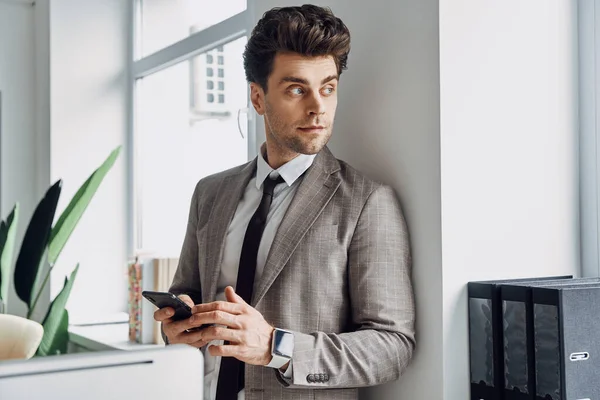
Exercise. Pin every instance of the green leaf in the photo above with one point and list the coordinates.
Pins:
(56, 323)
(8, 230)
(60, 342)
(70, 217)
(34, 244)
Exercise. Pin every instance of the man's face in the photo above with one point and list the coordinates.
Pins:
(299, 106)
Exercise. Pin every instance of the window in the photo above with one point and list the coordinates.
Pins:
(189, 113)
(165, 22)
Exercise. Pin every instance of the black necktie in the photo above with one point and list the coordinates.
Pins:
(231, 374)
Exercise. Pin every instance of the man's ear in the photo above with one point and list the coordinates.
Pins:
(257, 97)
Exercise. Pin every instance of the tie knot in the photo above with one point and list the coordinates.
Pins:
(270, 183)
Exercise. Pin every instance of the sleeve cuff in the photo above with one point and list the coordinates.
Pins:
(288, 374)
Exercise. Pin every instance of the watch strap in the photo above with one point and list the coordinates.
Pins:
(278, 361)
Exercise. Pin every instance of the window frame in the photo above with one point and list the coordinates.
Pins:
(197, 43)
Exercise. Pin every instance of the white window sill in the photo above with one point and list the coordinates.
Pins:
(94, 319)
(101, 337)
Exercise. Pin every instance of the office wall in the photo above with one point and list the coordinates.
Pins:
(89, 92)
(19, 180)
(387, 125)
(509, 152)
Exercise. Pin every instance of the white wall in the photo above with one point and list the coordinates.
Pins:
(509, 152)
(89, 94)
(19, 165)
(387, 125)
(42, 87)
(42, 107)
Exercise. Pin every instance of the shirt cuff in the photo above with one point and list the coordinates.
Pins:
(288, 372)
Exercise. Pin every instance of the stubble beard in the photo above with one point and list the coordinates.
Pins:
(288, 138)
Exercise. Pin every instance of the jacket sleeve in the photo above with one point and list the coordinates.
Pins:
(187, 276)
(383, 309)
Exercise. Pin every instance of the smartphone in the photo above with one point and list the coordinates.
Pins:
(166, 299)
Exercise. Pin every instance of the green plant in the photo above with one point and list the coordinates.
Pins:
(42, 239)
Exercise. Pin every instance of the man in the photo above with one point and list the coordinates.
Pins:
(317, 253)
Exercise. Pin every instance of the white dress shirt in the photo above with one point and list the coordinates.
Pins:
(282, 197)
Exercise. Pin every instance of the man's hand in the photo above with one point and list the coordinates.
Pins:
(177, 331)
(247, 332)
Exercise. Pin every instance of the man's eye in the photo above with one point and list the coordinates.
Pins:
(296, 91)
(329, 90)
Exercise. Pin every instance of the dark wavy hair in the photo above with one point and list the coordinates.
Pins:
(307, 30)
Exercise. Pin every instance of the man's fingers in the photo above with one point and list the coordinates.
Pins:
(163, 314)
(178, 334)
(219, 333)
(199, 344)
(216, 318)
(187, 300)
(233, 297)
(208, 318)
(225, 306)
(226, 350)
(202, 338)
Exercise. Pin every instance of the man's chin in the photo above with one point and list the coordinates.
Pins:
(311, 149)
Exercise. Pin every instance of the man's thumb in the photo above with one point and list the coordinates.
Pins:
(232, 296)
(186, 299)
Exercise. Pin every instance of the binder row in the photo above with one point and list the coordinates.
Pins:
(535, 339)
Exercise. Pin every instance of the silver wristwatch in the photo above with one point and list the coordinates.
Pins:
(282, 348)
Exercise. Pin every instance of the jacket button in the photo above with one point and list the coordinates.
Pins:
(326, 377)
(321, 378)
(310, 378)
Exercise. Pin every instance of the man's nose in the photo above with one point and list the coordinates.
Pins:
(316, 105)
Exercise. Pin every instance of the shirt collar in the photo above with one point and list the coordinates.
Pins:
(289, 171)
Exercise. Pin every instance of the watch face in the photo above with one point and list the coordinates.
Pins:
(283, 343)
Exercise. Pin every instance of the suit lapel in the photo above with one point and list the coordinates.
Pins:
(228, 196)
(316, 189)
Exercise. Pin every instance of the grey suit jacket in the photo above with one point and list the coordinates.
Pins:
(338, 274)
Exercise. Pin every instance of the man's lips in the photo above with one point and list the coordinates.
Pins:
(315, 128)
